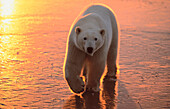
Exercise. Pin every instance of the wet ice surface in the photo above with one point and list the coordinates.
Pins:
(32, 50)
(34, 78)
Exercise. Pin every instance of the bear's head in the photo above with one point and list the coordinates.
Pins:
(89, 40)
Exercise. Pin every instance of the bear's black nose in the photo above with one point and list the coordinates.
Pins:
(90, 50)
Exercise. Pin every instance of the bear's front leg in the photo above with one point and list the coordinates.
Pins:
(72, 75)
(93, 79)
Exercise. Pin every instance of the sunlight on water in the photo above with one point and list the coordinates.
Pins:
(8, 45)
(5, 26)
(9, 52)
(7, 7)
(6, 10)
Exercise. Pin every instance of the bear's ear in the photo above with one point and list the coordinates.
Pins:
(102, 32)
(78, 30)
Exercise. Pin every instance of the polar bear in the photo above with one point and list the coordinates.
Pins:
(92, 44)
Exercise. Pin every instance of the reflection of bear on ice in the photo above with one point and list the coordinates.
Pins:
(92, 43)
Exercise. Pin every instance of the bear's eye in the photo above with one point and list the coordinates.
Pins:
(85, 38)
(95, 39)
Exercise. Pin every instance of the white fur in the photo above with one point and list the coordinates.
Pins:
(91, 21)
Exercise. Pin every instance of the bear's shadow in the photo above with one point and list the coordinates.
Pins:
(89, 100)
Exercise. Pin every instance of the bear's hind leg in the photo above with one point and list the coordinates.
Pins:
(111, 62)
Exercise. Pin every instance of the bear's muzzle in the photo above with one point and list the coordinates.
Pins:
(90, 50)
